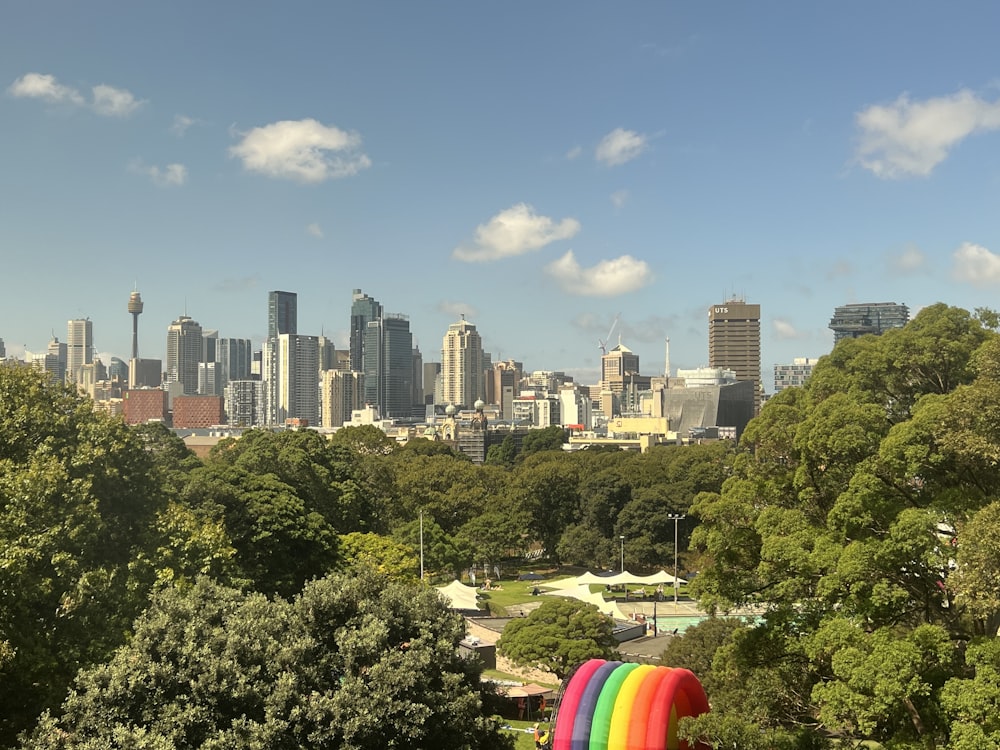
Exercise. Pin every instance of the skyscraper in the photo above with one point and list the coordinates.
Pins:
(462, 368)
(388, 366)
(58, 352)
(135, 310)
(282, 313)
(364, 309)
(734, 341)
(79, 347)
(297, 388)
(184, 352)
(855, 320)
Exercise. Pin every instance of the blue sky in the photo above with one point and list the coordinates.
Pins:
(541, 167)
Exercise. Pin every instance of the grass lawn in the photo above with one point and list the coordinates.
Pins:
(522, 740)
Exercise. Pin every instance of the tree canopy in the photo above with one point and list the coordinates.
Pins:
(860, 519)
(358, 663)
(557, 636)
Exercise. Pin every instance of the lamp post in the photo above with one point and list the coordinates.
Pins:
(622, 538)
(677, 517)
(421, 545)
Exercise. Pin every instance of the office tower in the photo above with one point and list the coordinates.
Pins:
(503, 384)
(282, 313)
(431, 381)
(341, 393)
(462, 370)
(854, 320)
(617, 366)
(3, 350)
(58, 354)
(79, 347)
(364, 309)
(118, 370)
(734, 341)
(208, 380)
(793, 375)
(297, 371)
(327, 354)
(234, 357)
(388, 366)
(417, 383)
(184, 351)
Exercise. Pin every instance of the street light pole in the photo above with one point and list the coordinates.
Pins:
(622, 538)
(678, 517)
(421, 545)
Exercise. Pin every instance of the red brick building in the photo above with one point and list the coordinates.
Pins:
(144, 405)
(192, 412)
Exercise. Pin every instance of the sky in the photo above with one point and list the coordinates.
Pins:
(564, 174)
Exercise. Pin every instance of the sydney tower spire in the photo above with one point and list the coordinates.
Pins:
(135, 308)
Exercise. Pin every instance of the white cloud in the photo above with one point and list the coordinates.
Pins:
(907, 138)
(458, 309)
(785, 330)
(619, 198)
(620, 146)
(181, 124)
(976, 265)
(107, 100)
(606, 279)
(314, 230)
(515, 231)
(43, 86)
(173, 175)
(574, 152)
(909, 260)
(303, 150)
(114, 102)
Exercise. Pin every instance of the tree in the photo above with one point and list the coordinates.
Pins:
(355, 663)
(443, 554)
(382, 554)
(279, 542)
(545, 439)
(837, 521)
(79, 502)
(502, 454)
(558, 635)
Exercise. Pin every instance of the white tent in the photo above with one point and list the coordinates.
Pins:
(584, 594)
(618, 579)
(459, 595)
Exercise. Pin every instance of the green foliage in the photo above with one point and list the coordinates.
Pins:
(444, 555)
(557, 636)
(545, 439)
(837, 521)
(78, 506)
(382, 554)
(503, 454)
(359, 663)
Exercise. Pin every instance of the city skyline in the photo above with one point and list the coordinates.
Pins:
(543, 171)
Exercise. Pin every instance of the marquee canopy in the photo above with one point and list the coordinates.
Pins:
(459, 595)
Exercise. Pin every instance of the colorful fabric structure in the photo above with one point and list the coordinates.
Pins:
(610, 705)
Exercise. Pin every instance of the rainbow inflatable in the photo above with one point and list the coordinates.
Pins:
(610, 705)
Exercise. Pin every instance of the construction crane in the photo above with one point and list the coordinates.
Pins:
(603, 344)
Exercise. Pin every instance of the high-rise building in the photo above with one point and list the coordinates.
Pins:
(462, 371)
(855, 320)
(341, 394)
(58, 353)
(793, 375)
(297, 390)
(388, 366)
(431, 381)
(244, 403)
(234, 357)
(3, 350)
(734, 341)
(79, 347)
(364, 309)
(184, 352)
(503, 385)
(282, 313)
